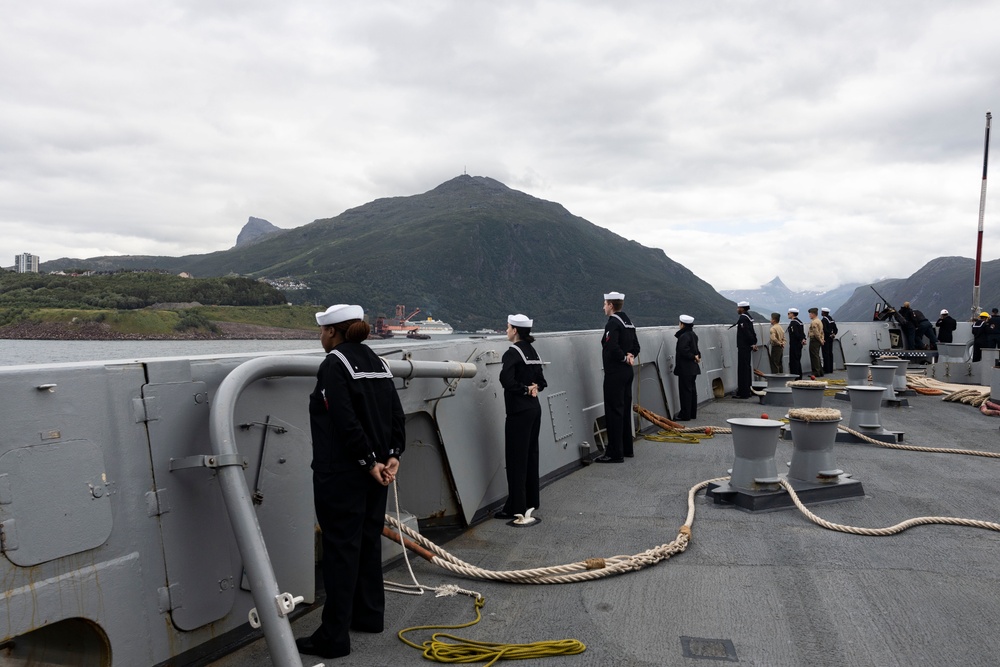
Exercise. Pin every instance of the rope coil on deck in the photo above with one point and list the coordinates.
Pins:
(814, 414)
(585, 570)
(806, 384)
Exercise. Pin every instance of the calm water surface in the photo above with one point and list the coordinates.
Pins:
(19, 352)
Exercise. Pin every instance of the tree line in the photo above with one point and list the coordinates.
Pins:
(129, 290)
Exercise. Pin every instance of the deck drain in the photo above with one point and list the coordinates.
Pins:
(709, 649)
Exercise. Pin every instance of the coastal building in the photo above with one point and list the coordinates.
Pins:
(26, 263)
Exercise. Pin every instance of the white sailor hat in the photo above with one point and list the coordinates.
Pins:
(339, 313)
(944, 312)
(613, 296)
(824, 310)
(794, 310)
(519, 320)
(743, 304)
(687, 319)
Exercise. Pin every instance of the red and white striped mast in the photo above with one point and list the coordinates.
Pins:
(982, 210)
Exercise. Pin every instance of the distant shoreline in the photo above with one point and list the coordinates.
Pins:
(101, 331)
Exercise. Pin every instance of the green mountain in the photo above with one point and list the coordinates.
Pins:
(468, 252)
(944, 282)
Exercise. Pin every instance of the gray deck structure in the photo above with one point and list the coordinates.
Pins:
(765, 589)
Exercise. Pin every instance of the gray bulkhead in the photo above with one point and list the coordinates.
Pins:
(115, 538)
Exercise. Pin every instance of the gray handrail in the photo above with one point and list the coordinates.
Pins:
(272, 604)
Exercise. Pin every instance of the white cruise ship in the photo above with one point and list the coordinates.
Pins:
(429, 326)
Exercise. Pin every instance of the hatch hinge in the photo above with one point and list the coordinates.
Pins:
(168, 598)
(145, 409)
(156, 502)
(8, 535)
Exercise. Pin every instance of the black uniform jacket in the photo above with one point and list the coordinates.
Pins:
(619, 339)
(829, 328)
(687, 349)
(796, 332)
(521, 369)
(355, 414)
(981, 330)
(745, 335)
(946, 324)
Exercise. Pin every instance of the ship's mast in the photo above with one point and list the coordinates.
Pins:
(982, 210)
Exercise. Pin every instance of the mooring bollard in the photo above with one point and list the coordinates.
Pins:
(857, 374)
(807, 393)
(866, 417)
(884, 376)
(777, 391)
(754, 444)
(899, 381)
(814, 431)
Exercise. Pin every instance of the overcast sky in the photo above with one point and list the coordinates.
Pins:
(825, 142)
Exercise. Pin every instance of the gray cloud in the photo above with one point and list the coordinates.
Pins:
(824, 141)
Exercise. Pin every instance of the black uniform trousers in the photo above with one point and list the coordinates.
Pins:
(687, 391)
(350, 506)
(744, 372)
(795, 360)
(828, 356)
(521, 452)
(618, 400)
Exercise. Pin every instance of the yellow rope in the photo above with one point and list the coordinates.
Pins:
(460, 650)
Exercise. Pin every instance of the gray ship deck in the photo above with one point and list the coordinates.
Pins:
(779, 589)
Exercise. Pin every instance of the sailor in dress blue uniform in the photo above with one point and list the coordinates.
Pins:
(796, 335)
(746, 341)
(619, 348)
(358, 435)
(521, 378)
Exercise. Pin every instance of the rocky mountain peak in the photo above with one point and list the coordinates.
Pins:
(254, 230)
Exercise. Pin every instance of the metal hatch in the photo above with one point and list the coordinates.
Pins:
(198, 544)
(54, 501)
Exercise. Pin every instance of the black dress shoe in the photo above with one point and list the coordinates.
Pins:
(630, 456)
(506, 516)
(608, 459)
(309, 647)
(362, 627)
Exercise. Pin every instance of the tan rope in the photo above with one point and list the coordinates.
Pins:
(915, 448)
(891, 530)
(585, 570)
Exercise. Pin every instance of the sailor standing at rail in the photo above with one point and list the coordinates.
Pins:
(358, 434)
(620, 347)
(687, 369)
(829, 333)
(796, 339)
(746, 341)
(981, 330)
(521, 378)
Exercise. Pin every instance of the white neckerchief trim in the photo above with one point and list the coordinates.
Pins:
(370, 375)
(525, 357)
(627, 326)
